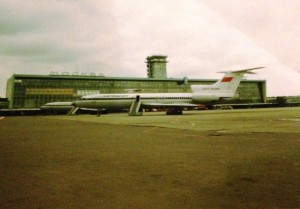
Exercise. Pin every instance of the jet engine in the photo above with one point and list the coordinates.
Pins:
(200, 98)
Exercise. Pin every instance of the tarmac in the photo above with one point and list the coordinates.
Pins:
(201, 159)
(234, 121)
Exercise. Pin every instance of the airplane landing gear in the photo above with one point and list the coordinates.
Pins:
(174, 112)
(99, 112)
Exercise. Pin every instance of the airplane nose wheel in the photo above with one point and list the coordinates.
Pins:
(99, 112)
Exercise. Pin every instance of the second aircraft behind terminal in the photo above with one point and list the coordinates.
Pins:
(175, 102)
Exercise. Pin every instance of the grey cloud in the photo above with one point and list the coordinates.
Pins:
(67, 31)
(40, 36)
(12, 24)
(114, 37)
(198, 40)
(271, 24)
(36, 50)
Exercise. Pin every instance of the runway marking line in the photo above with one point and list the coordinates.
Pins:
(173, 134)
(150, 129)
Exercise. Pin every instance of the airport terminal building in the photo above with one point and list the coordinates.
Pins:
(33, 91)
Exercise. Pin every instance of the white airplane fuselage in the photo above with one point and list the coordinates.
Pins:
(124, 101)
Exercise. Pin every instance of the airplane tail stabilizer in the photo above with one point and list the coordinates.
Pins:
(229, 83)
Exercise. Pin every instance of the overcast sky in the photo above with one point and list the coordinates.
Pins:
(113, 37)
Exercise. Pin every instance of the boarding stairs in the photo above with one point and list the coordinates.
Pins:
(135, 107)
(73, 111)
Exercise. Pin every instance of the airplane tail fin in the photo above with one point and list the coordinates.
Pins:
(229, 83)
(232, 79)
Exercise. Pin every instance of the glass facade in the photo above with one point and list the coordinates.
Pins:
(33, 91)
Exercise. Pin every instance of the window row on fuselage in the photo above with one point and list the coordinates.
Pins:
(131, 98)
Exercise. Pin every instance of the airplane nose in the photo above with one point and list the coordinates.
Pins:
(76, 103)
(79, 103)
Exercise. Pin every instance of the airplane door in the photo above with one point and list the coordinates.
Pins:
(138, 97)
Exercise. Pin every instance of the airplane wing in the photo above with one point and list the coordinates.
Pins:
(173, 109)
(175, 105)
(246, 71)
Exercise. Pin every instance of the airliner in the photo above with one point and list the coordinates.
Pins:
(223, 89)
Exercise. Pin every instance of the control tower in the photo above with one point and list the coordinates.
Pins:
(157, 66)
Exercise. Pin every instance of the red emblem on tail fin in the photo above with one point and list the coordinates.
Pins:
(227, 79)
